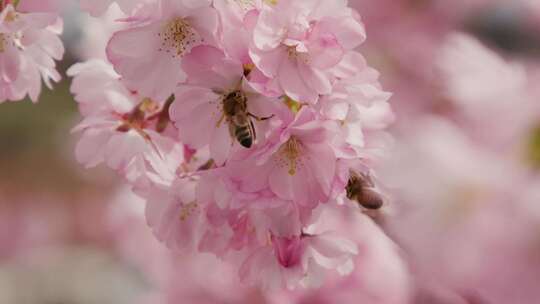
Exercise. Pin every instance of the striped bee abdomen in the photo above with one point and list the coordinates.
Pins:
(244, 136)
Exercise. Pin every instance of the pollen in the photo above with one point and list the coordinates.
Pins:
(290, 154)
(178, 37)
(187, 210)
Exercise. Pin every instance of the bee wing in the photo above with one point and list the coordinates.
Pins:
(252, 128)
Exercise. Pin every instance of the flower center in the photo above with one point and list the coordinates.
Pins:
(178, 37)
(290, 152)
(137, 119)
(187, 210)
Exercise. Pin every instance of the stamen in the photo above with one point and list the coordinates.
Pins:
(187, 210)
(178, 37)
(291, 152)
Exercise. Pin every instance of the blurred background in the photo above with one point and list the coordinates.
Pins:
(68, 234)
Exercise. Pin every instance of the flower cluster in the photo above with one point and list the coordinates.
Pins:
(240, 122)
(29, 46)
(251, 137)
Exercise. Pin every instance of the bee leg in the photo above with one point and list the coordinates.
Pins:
(260, 118)
(231, 133)
(220, 121)
(252, 127)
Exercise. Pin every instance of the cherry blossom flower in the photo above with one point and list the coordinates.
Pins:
(298, 43)
(301, 260)
(236, 29)
(29, 46)
(359, 103)
(129, 133)
(176, 216)
(244, 219)
(149, 54)
(381, 275)
(298, 161)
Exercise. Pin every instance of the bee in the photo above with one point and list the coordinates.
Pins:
(360, 188)
(239, 118)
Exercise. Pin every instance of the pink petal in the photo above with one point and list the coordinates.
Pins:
(221, 144)
(201, 118)
(269, 33)
(270, 61)
(292, 83)
(324, 49)
(316, 79)
(135, 55)
(89, 149)
(280, 182)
